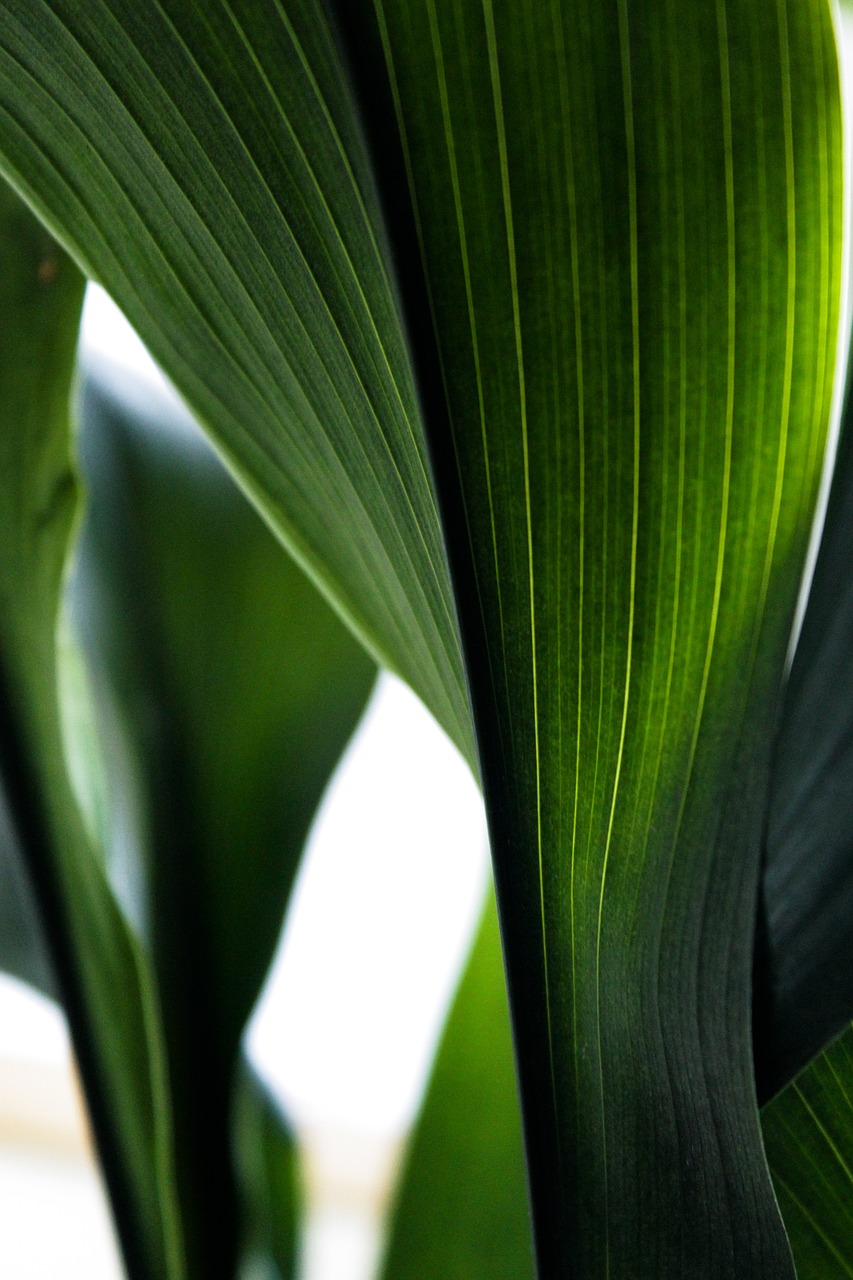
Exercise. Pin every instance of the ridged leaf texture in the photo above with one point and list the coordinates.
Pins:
(612, 232)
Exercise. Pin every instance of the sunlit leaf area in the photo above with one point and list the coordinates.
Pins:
(426, 640)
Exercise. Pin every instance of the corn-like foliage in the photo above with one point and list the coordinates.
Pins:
(518, 323)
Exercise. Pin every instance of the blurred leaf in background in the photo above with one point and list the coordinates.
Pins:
(460, 1209)
(231, 690)
(97, 960)
(272, 1193)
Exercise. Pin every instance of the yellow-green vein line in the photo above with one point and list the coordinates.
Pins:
(571, 195)
(839, 1080)
(444, 604)
(795, 1200)
(307, 557)
(822, 1130)
(450, 143)
(790, 298)
(665, 183)
(500, 128)
(825, 379)
(681, 251)
(725, 94)
(628, 113)
(405, 412)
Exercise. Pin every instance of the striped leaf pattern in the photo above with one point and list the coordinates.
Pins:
(628, 216)
(204, 163)
(808, 1130)
(614, 227)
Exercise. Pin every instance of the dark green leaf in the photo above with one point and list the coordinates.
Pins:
(204, 162)
(103, 979)
(629, 217)
(266, 1156)
(460, 1207)
(804, 978)
(238, 688)
(808, 1131)
(23, 946)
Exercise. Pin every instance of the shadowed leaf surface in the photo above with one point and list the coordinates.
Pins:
(808, 1132)
(102, 976)
(237, 688)
(273, 1196)
(23, 946)
(804, 978)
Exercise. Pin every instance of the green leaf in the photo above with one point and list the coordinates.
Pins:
(460, 1207)
(804, 979)
(102, 976)
(629, 218)
(23, 946)
(238, 689)
(266, 1153)
(808, 1132)
(204, 162)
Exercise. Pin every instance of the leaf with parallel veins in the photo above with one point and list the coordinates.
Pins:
(628, 222)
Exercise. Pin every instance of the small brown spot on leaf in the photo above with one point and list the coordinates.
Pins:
(47, 270)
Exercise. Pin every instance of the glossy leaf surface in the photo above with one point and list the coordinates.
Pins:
(238, 688)
(102, 977)
(204, 162)
(460, 1208)
(629, 220)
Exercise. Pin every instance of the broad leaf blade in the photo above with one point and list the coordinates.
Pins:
(460, 1208)
(204, 162)
(629, 220)
(804, 979)
(808, 1131)
(102, 976)
(239, 689)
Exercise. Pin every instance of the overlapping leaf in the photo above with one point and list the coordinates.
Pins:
(102, 976)
(238, 689)
(460, 1209)
(629, 216)
(804, 978)
(629, 221)
(808, 1130)
(205, 163)
(467, 1137)
(271, 1179)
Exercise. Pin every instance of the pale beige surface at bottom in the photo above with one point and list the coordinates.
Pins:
(349, 1178)
(54, 1221)
(54, 1218)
